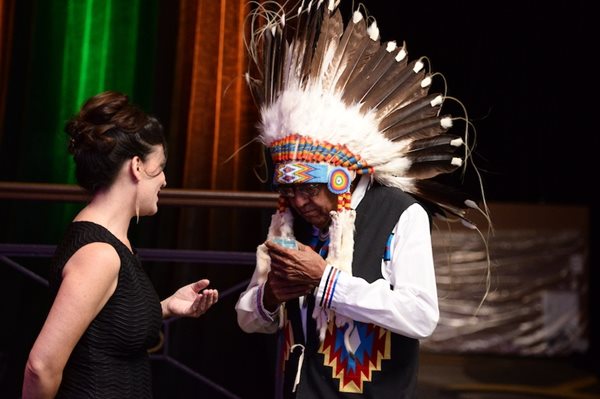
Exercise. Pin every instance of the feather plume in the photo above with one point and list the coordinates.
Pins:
(337, 83)
(311, 32)
(410, 86)
(418, 129)
(431, 165)
(444, 143)
(449, 201)
(355, 62)
(331, 31)
(387, 82)
(433, 156)
(346, 49)
(425, 107)
(362, 81)
(275, 61)
(268, 54)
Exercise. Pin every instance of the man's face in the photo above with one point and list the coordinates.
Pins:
(313, 202)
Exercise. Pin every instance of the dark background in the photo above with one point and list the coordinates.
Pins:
(526, 73)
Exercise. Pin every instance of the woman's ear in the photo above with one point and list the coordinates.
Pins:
(135, 167)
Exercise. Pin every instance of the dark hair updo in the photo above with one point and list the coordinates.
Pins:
(108, 131)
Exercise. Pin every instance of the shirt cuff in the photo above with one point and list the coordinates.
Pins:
(327, 286)
(264, 313)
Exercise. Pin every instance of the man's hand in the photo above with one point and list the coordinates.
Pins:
(293, 273)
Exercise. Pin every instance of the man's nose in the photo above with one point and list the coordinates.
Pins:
(299, 200)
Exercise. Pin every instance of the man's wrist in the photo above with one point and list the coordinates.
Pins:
(269, 301)
(263, 311)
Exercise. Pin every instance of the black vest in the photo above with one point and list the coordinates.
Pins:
(359, 376)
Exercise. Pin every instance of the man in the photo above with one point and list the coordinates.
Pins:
(355, 141)
(396, 309)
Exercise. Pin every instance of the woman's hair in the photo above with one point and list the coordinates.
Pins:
(105, 133)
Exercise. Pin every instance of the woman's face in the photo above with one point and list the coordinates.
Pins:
(152, 180)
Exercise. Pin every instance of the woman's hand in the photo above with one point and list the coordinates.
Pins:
(191, 300)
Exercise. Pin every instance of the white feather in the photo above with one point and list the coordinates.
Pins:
(324, 116)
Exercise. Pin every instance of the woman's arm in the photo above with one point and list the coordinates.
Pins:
(89, 279)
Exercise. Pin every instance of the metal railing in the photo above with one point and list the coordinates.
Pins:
(168, 196)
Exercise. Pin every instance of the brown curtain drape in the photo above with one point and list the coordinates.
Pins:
(212, 120)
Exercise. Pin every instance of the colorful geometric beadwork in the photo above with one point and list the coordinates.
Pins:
(371, 343)
(339, 181)
(302, 148)
(300, 172)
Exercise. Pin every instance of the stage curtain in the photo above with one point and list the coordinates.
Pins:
(181, 60)
(213, 109)
(58, 54)
(211, 128)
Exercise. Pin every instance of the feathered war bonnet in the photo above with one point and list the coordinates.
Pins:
(335, 103)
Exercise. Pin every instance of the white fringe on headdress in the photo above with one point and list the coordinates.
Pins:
(341, 250)
(281, 226)
(341, 240)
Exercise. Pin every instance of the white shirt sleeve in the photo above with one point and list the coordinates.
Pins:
(410, 308)
(251, 314)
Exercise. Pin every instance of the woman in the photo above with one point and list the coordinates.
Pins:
(106, 314)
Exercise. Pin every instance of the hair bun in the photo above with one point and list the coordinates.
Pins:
(98, 115)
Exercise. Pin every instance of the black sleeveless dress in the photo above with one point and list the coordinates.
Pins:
(111, 358)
